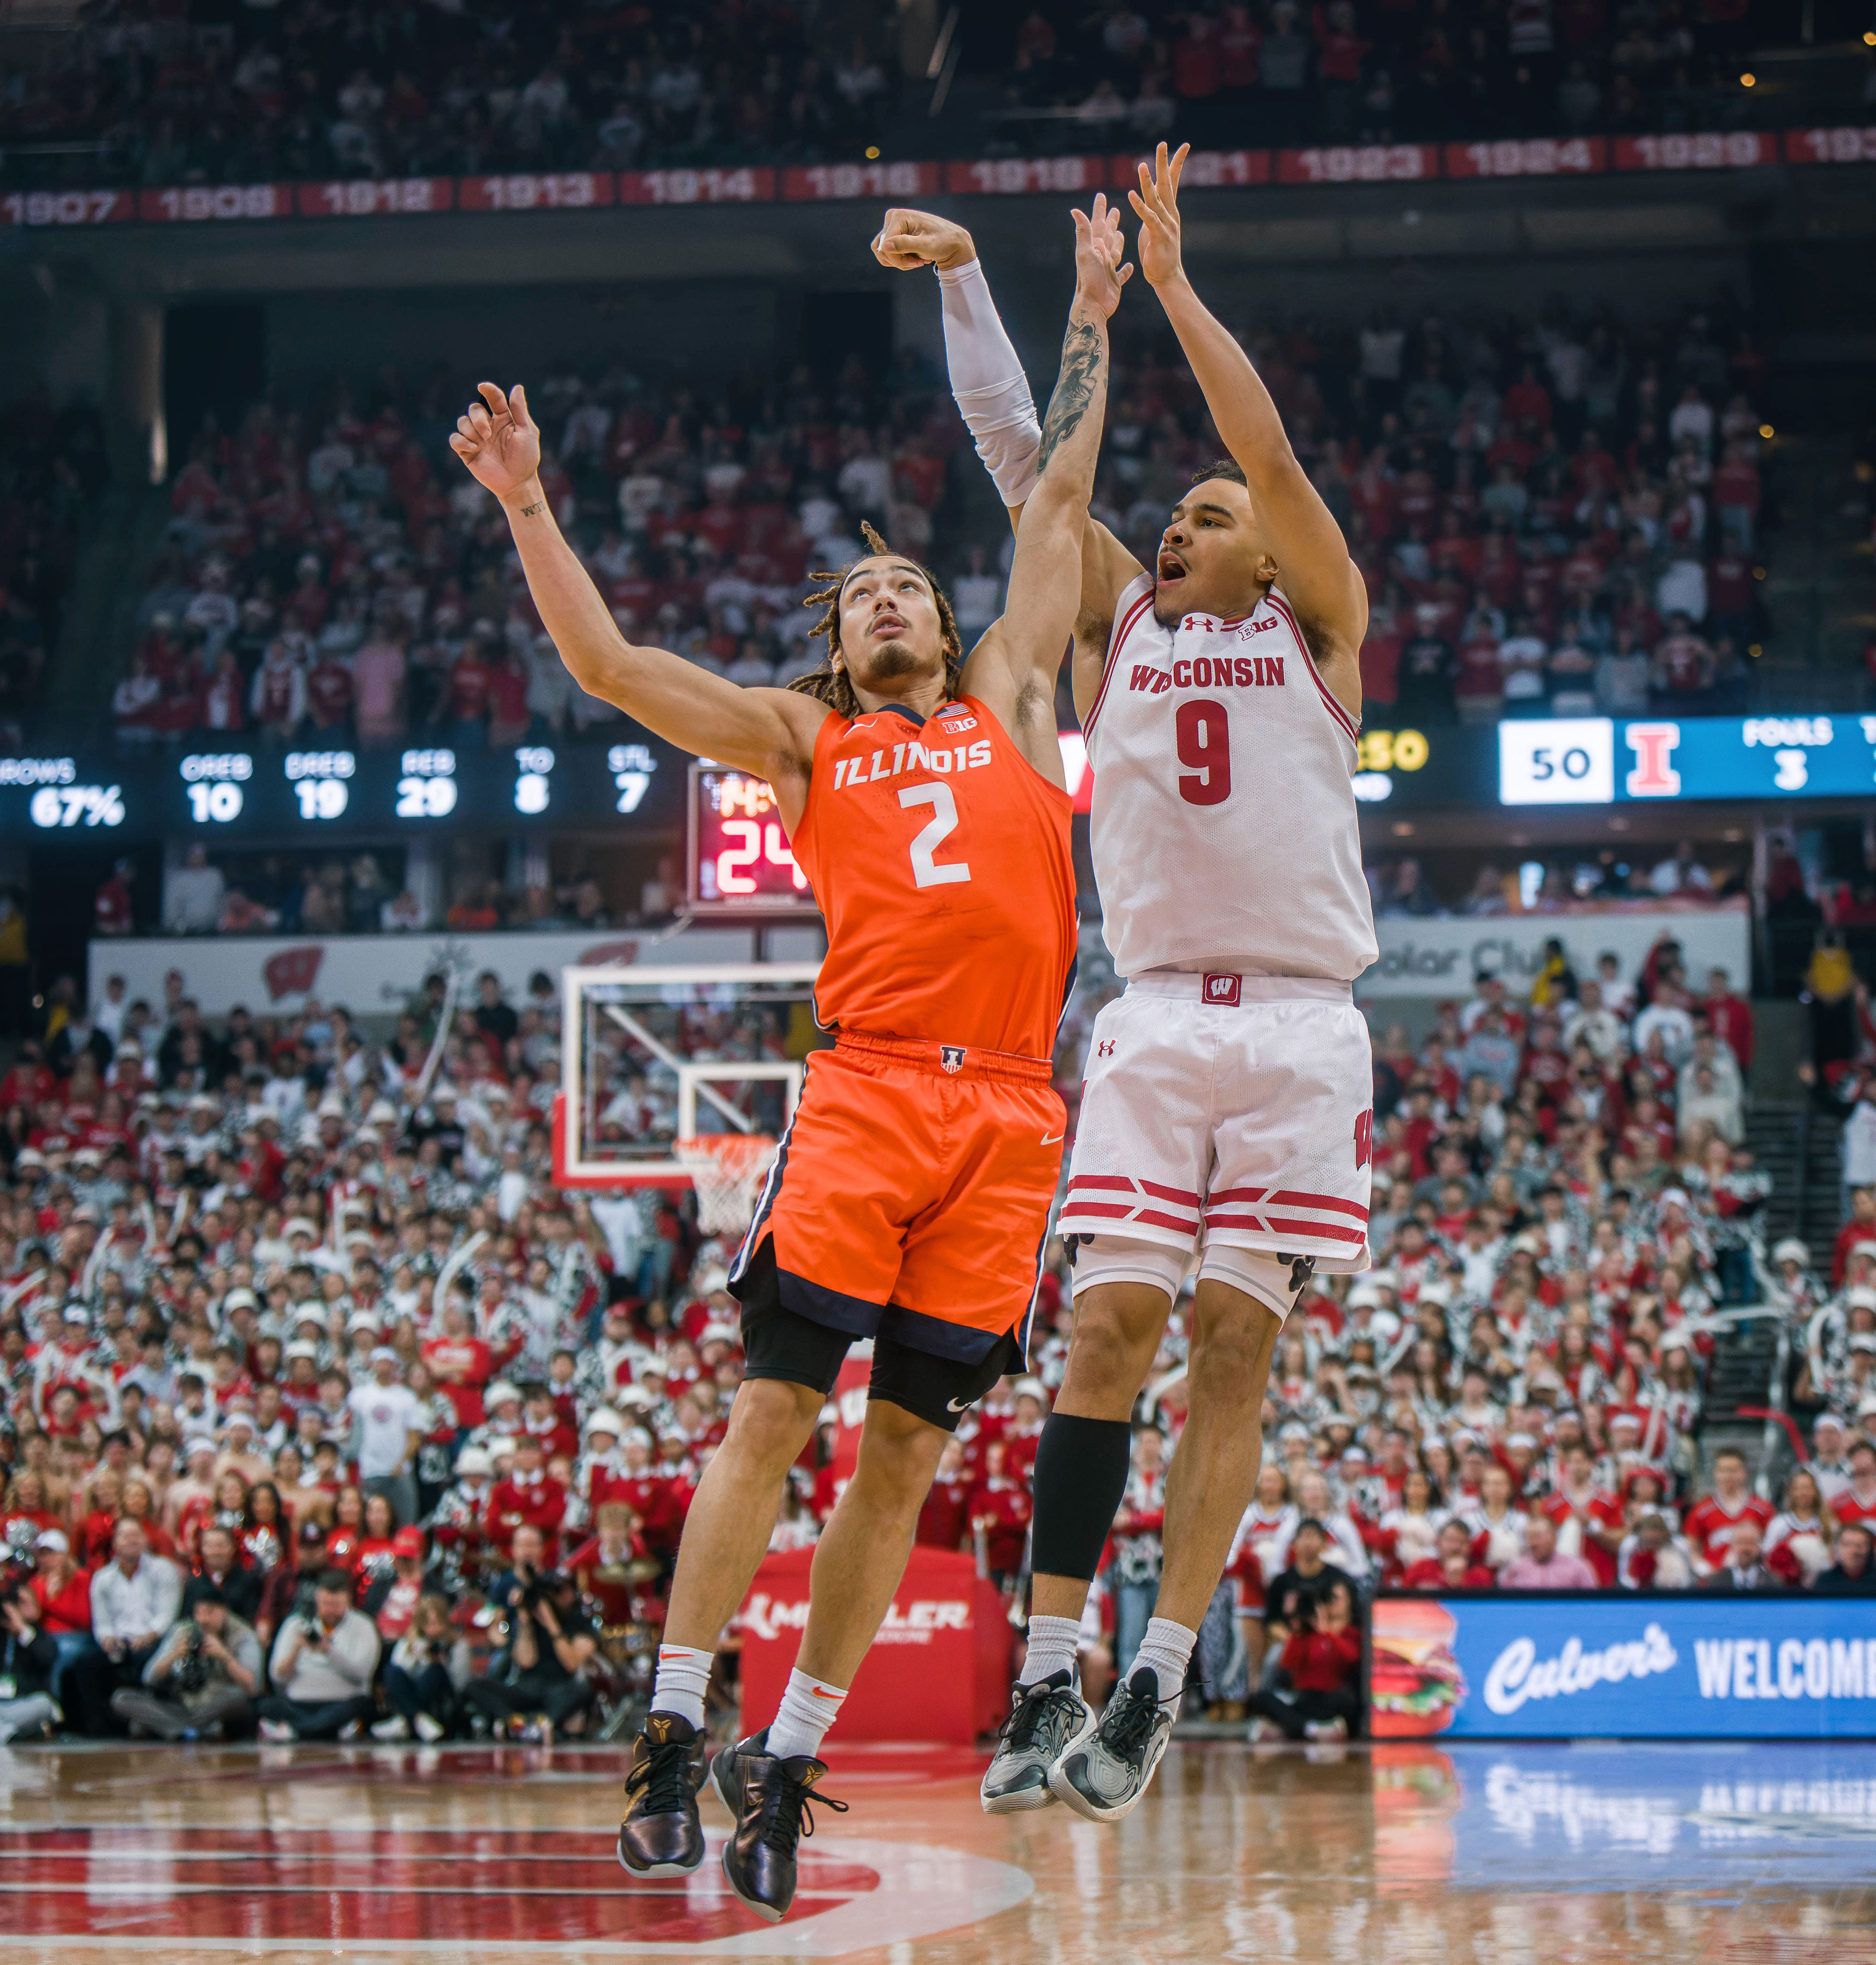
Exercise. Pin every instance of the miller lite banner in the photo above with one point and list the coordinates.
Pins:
(1558, 1665)
(939, 1669)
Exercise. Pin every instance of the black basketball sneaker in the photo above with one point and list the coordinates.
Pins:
(661, 1835)
(770, 1801)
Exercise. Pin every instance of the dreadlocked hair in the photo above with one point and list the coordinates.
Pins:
(832, 685)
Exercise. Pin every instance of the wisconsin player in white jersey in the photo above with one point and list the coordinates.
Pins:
(1225, 1120)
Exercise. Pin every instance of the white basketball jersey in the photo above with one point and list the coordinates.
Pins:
(1223, 823)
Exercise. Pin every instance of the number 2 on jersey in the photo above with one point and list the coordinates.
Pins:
(944, 821)
(1203, 730)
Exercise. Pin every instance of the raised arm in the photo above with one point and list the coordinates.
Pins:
(1318, 577)
(993, 397)
(1013, 667)
(768, 730)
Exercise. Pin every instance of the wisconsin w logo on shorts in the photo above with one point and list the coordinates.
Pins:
(951, 1056)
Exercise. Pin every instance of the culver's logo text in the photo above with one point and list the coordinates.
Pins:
(1518, 1675)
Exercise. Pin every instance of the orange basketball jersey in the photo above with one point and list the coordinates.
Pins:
(941, 860)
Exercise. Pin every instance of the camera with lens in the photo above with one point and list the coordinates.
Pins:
(191, 1670)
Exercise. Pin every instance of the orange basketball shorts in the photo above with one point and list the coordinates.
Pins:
(909, 1197)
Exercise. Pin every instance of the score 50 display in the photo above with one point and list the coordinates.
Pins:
(1598, 760)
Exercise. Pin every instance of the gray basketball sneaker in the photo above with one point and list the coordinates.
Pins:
(1103, 1775)
(1045, 1720)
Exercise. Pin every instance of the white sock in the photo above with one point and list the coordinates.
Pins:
(683, 1675)
(1053, 1644)
(809, 1707)
(1165, 1651)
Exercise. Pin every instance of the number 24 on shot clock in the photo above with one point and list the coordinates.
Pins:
(739, 856)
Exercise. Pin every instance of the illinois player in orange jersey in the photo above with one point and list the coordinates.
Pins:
(925, 798)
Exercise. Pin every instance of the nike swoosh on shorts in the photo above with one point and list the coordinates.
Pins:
(959, 1405)
(1053, 1139)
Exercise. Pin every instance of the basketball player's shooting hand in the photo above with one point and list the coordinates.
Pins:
(497, 439)
(1099, 274)
(909, 240)
(1156, 205)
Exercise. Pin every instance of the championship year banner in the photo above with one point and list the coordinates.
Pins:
(575, 190)
(1623, 1664)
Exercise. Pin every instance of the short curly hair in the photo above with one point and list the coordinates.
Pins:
(832, 685)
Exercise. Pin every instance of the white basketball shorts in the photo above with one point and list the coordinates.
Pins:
(1236, 1108)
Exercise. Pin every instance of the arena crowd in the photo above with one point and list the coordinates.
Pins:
(1554, 514)
(326, 1412)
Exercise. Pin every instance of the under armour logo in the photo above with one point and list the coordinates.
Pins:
(1223, 989)
(951, 1056)
(1105, 1048)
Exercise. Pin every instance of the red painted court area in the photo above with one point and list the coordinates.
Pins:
(493, 1886)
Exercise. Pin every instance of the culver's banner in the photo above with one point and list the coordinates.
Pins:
(1562, 1666)
(1429, 956)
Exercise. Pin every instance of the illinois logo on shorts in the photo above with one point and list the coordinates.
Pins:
(951, 1056)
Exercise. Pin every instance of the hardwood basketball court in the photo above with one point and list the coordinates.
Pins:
(1405, 1855)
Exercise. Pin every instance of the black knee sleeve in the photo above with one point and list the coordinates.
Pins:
(1081, 1467)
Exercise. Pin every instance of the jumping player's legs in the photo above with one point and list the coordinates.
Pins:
(1118, 1327)
(726, 1532)
(1210, 1484)
(862, 1553)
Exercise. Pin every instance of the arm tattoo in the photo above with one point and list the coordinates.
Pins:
(1082, 356)
(529, 511)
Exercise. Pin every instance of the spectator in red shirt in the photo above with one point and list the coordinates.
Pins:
(1710, 1521)
(1450, 1566)
(942, 1521)
(1731, 1017)
(1858, 1232)
(466, 705)
(63, 1588)
(111, 912)
(1312, 1697)
(529, 1494)
(508, 698)
(1587, 1515)
(328, 696)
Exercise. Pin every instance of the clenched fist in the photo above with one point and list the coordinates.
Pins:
(909, 240)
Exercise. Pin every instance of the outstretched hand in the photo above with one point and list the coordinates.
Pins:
(909, 240)
(498, 440)
(1099, 272)
(1156, 204)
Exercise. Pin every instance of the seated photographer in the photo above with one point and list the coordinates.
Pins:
(1309, 1574)
(1312, 1694)
(424, 1681)
(538, 1683)
(321, 1668)
(203, 1676)
(28, 1657)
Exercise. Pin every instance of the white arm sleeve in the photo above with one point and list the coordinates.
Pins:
(987, 380)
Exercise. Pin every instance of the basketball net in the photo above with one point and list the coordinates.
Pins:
(728, 1170)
